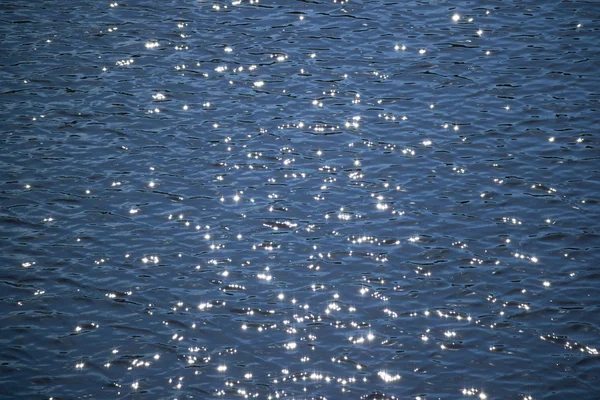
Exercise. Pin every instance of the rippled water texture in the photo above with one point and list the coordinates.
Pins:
(300, 199)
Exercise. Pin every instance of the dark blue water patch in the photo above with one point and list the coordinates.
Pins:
(299, 200)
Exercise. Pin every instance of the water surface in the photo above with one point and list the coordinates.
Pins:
(300, 199)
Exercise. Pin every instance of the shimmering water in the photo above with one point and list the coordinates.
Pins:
(300, 199)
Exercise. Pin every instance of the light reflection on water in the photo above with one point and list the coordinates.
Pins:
(337, 199)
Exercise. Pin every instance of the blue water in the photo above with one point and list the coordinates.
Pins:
(300, 200)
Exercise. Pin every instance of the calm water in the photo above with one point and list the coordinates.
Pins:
(300, 199)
